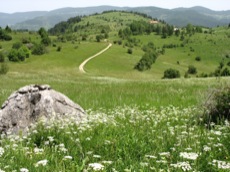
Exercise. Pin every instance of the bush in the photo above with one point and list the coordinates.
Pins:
(228, 63)
(171, 73)
(146, 61)
(17, 45)
(225, 72)
(4, 69)
(39, 49)
(192, 69)
(130, 51)
(198, 58)
(217, 107)
(2, 57)
(59, 48)
(13, 55)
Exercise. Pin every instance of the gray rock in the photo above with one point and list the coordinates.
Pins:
(30, 103)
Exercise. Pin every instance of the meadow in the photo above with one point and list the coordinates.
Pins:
(136, 121)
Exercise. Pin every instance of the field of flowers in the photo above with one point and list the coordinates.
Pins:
(128, 138)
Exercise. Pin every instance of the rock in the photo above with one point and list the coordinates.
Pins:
(33, 102)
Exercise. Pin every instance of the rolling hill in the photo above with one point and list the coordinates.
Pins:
(178, 17)
(78, 41)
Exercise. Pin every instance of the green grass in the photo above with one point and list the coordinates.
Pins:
(121, 139)
(136, 121)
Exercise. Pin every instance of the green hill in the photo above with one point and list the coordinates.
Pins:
(77, 38)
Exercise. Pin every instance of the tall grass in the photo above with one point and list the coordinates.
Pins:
(121, 139)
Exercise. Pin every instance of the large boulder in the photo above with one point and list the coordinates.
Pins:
(30, 103)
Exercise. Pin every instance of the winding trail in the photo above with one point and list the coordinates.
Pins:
(81, 67)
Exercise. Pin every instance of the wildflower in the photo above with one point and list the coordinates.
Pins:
(107, 162)
(67, 158)
(24, 170)
(96, 166)
(38, 151)
(164, 154)
(41, 163)
(151, 156)
(184, 165)
(96, 156)
(144, 164)
(51, 139)
(1, 151)
(221, 164)
(191, 156)
(206, 148)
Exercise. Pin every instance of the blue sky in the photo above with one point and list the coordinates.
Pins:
(11, 6)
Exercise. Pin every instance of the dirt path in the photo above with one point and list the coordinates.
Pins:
(81, 67)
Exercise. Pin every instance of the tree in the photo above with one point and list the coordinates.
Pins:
(189, 28)
(44, 36)
(177, 32)
(8, 29)
(4, 35)
(146, 61)
(171, 73)
(99, 37)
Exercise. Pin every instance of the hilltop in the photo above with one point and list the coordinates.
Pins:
(178, 17)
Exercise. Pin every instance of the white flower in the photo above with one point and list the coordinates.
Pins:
(96, 166)
(206, 148)
(151, 156)
(1, 151)
(38, 151)
(191, 156)
(107, 162)
(67, 157)
(42, 163)
(51, 139)
(96, 156)
(24, 170)
(184, 165)
(221, 164)
(164, 154)
(2, 170)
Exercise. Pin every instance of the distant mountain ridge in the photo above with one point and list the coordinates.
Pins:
(178, 16)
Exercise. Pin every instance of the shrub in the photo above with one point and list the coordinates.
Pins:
(59, 48)
(228, 63)
(225, 72)
(198, 58)
(2, 57)
(39, 49)
(130, 51)
(217, 106)
(13, 55)
(192, 69)
(171, 73)
(17, 45)
(4, 69)
(146, 61)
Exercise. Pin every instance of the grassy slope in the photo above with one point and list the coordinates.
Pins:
(111, 79)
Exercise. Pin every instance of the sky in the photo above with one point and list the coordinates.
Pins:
(11, 6)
